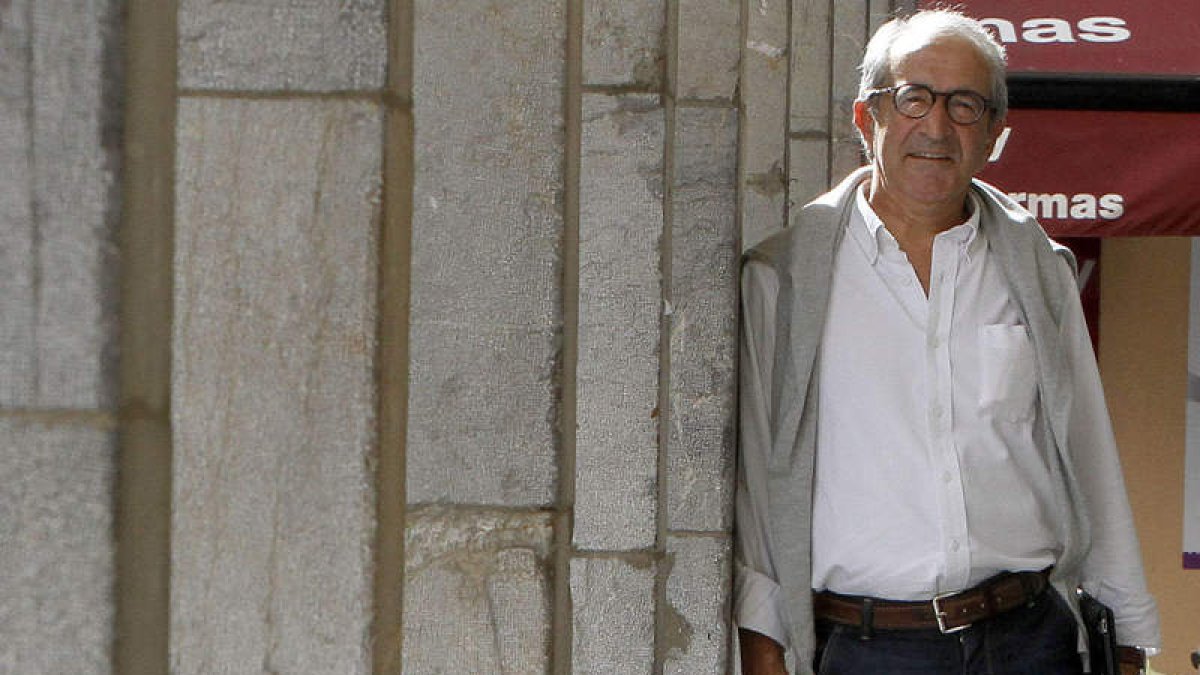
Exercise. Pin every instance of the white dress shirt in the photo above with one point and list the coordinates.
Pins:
(926, 414)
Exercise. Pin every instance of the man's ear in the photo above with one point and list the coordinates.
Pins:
(994, 130)
(864, 121)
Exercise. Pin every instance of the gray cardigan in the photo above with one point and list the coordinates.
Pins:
(801, 258)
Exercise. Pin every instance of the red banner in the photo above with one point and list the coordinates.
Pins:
(1090, 173)
(1097, 36)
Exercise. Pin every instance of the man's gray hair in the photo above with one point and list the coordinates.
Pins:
(926, 27)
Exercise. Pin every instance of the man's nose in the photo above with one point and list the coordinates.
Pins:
(937, 122)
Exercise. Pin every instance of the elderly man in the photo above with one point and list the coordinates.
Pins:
(927, 469)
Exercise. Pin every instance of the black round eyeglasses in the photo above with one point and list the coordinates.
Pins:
(916, 100)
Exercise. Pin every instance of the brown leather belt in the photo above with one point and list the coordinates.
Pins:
(947, 613)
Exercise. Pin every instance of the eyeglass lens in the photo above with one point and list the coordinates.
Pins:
(916, 100)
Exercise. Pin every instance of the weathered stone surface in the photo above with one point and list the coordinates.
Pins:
(282, 45)
(709, 49)
(810, 57)
(273, 401)
(704, 263)
(764, 90)
(486, 270)
(76, 209)
(58, 203)
(698, 591)
(849, 40)
(477, 596)
(613, 603)
(620, 297)
(622, 42)
(18, 356)
(809, 171)
(878, 13)
(56, 548)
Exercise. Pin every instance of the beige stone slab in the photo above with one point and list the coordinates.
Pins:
(709, 50)
(703, 320)
(623, 42)
(477, 594)
(294, 45)
(18, 330)
(56, 547)
(698, 598)
(850, 24)
(762, 168)
(809, 171)
(58, 203)
(486, 252)
(273, 400)
(811, 54)
(620, 305)
(613, 617)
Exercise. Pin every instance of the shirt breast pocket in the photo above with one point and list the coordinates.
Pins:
(1007, 372)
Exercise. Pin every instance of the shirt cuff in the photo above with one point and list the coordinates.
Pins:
(1136, 615)
(758, 605)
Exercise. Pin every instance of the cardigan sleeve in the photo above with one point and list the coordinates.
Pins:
(1112, 571)
(758, 601)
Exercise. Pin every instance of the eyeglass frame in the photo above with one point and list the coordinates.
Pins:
(894, 90)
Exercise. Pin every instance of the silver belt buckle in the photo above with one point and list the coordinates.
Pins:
(941, 616)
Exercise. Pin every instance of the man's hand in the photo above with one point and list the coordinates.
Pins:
(760, 654)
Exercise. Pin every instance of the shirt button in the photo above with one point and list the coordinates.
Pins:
(946, 477)
(954, 545)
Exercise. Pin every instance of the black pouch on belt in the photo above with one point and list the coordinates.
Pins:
(1102, 635)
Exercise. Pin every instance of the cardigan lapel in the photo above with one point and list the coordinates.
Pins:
(812, 245)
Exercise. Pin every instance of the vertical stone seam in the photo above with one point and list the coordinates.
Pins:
(662, 570)
(787, 124)
(830, 103)
(113, 92)
(562, 611)
(393, 295)
(143, 492)
(739, 188)
(739, 106)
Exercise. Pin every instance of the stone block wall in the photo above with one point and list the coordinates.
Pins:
(389, 336)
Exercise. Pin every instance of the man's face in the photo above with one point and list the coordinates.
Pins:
(929, 161)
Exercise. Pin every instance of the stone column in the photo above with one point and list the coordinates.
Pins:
(657, 321)
(485, 335)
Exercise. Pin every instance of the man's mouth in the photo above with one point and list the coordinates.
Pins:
(930, 155)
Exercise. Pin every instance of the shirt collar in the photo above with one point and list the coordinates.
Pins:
(870, 233)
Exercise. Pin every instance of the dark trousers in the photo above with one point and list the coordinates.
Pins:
(1037, 639)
